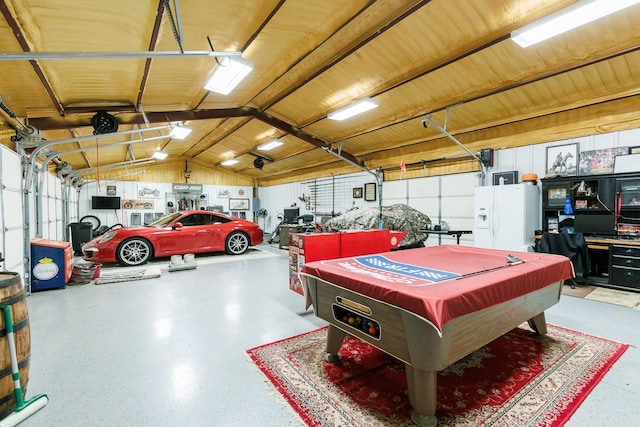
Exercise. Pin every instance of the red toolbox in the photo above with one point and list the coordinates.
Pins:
(320, 246)
(310, 247)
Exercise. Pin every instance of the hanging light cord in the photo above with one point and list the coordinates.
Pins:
(213, 50)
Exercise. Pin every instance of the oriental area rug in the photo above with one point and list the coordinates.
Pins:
(519, 379)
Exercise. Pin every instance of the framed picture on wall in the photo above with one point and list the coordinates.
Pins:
(238, 204)
(562, 160)
(357, 192)
(505, 178)
(600, 161)
(370, 192)
(634, 150)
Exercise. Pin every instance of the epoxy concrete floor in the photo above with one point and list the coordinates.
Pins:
(170, 351)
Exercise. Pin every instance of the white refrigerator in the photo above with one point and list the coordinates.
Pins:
(506, 216)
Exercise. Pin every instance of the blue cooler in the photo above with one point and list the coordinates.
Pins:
(51, 264)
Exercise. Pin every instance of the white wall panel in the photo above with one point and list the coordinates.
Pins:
(629, 138)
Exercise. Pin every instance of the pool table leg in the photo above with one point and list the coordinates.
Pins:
(538, 324)
(422, 396)
(335, 337)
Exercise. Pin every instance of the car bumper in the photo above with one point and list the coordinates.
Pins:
(90, 253)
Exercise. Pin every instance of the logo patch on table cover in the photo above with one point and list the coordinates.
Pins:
(384, 269)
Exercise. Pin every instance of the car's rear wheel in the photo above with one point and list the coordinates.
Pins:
(134, 251)
(237, 243)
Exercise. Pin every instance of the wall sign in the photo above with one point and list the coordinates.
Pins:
(137, 204)
(151, 192)
(186, 188)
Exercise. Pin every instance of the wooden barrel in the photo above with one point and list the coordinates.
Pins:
(12, 293)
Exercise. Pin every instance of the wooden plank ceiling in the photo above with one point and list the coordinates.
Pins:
(415, 58)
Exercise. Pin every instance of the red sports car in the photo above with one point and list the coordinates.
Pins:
(179, 233)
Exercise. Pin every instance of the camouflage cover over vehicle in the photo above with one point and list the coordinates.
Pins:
(398, 217)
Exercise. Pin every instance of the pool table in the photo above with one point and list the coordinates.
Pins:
(429, 307)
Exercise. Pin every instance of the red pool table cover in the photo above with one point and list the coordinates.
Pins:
(443, 282)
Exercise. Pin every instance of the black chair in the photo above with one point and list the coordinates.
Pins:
(574, 247)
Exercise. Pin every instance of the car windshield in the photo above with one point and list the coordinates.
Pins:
(162, 221)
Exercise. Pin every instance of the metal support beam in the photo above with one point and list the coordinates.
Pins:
(427, 121)
(40, 56)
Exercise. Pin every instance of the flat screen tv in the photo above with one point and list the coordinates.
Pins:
(105, 202)
(595, 225)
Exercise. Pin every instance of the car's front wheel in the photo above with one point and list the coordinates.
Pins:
(134, 251)
(237, 243)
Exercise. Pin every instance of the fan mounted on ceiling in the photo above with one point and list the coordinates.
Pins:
(104, 122)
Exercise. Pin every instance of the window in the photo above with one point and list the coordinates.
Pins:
(196, 219)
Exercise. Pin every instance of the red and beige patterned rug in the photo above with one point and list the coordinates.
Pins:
(518, 379)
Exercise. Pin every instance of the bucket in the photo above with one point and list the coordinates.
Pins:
(530, 178)
(12, 293)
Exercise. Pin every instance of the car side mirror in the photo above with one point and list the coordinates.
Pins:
(177, 225)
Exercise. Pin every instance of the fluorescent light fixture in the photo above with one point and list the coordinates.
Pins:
(159, 155)
(229, 162)
(270, 145)
(180, 132)
(580, 13)
(357, 107)
(228, 73)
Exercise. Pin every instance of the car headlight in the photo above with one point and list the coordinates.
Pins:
(108, 236)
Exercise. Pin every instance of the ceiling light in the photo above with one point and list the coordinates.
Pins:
(270, 145)
(580, 13)
(228, 74)
(159, 155)
(358, 107)
(180, 132)
(229, 162)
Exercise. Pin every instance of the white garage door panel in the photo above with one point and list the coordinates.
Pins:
(10, 168)
(13, 260)
(12, 204)
(424, 187)
(395, 191)
(11, 212)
